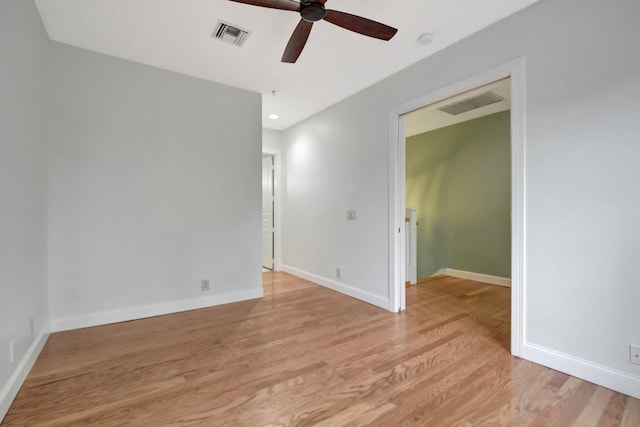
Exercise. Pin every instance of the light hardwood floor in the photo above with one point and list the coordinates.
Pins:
(305, 355)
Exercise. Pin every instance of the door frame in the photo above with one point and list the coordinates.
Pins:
(515, 70)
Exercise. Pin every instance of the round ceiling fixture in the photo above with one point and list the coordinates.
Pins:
(425, 38)
(273, 116)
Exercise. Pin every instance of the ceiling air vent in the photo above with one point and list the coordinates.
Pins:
(230, 33)
(469, 104)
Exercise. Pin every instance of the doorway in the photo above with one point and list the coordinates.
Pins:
(458, 187)
(268, 211)
(397, 170)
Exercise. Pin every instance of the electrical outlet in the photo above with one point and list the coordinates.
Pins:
(338, 272)
(634, 354)
(204, 285)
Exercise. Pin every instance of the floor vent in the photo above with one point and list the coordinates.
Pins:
(469, 104)
(230, 33)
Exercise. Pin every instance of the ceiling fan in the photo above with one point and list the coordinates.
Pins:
(314, 10)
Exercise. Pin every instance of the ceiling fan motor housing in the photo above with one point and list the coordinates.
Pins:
(312, 11)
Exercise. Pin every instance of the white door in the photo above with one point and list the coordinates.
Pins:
(267, 212)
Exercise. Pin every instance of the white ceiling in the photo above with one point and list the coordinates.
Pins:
(175, 35)
(430, 118)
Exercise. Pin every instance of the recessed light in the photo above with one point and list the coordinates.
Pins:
(274, 116)
(425, 38)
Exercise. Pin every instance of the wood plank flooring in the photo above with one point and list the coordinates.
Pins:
(305, 355)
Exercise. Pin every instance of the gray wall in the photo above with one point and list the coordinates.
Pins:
(23, 291)
(458, 178)
(581, 128)
(122, 186)
(154, 184)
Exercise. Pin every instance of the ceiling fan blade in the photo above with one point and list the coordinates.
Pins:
(297, 41)
(273, 4)
(360, 25)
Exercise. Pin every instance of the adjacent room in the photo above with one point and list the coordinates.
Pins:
(458, 181)
(203, 212)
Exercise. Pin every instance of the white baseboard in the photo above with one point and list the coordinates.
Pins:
(10, 389)
(340, 287)
(133, 313)
(478, 277)
(589, 371)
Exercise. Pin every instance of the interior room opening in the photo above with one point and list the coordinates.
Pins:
(457, 188)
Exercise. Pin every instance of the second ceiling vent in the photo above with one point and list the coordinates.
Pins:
(230, 33)
(469, 104)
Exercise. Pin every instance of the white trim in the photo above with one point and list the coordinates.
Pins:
(514, 69)
(10, 389)
(365, 296)
(140, 312)
(402, 207)
(518, 207)
(396, 262)
(478, 277)
(593, 372)
(277, 253)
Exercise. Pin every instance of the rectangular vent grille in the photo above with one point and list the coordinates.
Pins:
(230, 33)
(481, 100)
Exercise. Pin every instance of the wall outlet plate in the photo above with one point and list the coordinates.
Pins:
(338, 272)
(204, 284)
(634, 354)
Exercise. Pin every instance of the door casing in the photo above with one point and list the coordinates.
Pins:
(515, 70)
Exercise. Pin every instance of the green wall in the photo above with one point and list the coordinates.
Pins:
(458, 179)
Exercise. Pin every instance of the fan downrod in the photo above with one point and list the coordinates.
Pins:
(312, 11)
